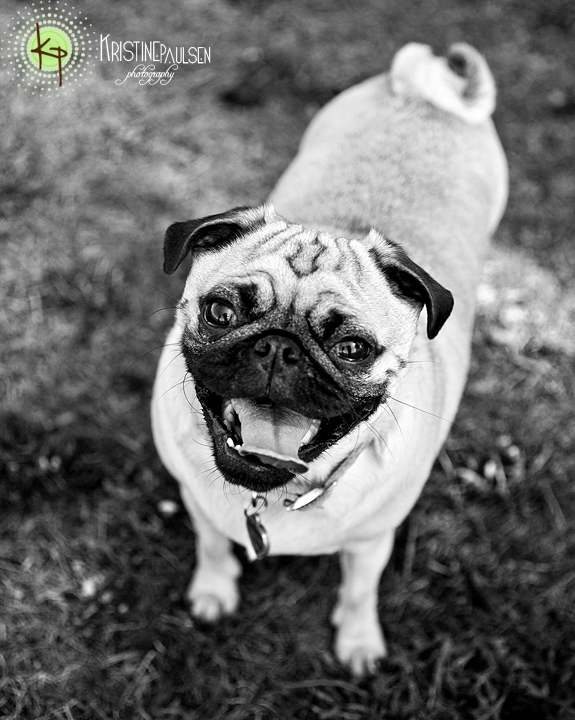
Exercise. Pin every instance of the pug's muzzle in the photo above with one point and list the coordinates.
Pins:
(270, 408)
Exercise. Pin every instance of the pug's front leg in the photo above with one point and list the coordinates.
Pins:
(213, 590)
(359, 641)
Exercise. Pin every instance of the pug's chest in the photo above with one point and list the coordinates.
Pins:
(348, 512)
(319, 530)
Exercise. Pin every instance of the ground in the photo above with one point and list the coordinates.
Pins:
(478, 602)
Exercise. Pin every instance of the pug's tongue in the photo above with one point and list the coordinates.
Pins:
(273, 434)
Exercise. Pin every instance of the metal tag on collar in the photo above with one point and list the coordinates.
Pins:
(256, 530)
(316, 496)
(309, 499)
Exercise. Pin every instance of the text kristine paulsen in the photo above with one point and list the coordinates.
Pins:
(152, 51)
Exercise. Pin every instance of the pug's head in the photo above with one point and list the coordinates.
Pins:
(292, 336)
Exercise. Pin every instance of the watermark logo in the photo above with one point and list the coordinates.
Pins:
(60, 45)
(147, 54)
(49, 49)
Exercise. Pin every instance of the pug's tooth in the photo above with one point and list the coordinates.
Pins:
(311, 433)
(228, 415)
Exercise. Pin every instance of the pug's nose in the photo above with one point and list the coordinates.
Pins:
(280, 347)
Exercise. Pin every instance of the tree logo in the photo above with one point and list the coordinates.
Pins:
(49, 49)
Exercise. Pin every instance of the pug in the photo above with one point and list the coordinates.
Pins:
(322, 341)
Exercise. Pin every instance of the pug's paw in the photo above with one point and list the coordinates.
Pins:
(211, 596)
(211, 608)
(359, 643)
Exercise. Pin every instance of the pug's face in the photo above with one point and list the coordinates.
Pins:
(292, 336)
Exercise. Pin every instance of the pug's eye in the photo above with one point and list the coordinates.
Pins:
(352, 349)
(218, 313)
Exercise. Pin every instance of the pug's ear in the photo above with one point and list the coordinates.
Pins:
(209, 233)
(409, 280)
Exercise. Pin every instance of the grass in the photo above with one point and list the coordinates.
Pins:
(479, 600)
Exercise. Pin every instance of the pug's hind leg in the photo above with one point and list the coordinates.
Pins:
(213, 590)
(359, 642)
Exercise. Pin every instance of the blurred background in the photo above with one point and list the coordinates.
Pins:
(478, 602)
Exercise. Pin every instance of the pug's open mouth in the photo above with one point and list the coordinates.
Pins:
(260, 445)
(267, 433)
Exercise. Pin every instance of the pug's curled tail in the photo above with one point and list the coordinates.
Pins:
(460, 83)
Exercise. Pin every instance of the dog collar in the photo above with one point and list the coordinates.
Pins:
(313, 498)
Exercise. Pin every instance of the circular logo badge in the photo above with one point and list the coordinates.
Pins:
(49, 48)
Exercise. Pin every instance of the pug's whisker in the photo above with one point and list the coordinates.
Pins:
(159, 347)
(193, 411)
(175, 385)
(213, 476)
(355, 413)
(176, 356)
(210, 476)
(226, 487)
(210, 460)
(379, 436)
(282, 495)
(165, 294)
(420, 410)
(389, 410)
(202, 444)
(298, 478)
(235, 489)
(168, 307)
(207, 470)
(211, 480)
(375, 432)
(186, 394)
